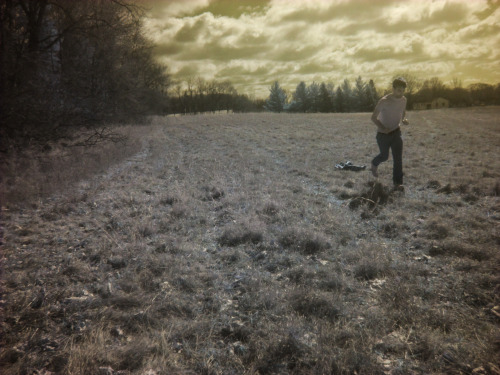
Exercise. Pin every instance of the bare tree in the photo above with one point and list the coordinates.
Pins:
(456, 83)
(66, 64)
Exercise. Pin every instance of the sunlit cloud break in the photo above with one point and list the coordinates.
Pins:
(255, 42)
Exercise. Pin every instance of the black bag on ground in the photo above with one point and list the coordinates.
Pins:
(348, 166)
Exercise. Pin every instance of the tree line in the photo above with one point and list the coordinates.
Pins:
(200, 95)
(323, 97)
(476, 94)
(197, 95)
(67, 64)
(362, 96)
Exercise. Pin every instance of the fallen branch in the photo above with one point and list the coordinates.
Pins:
(100, 135)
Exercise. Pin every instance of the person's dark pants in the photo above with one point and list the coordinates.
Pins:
(394, 142)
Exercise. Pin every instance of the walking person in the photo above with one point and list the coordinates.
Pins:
(388, 115)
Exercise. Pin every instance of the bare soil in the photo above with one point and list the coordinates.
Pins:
(230, 244)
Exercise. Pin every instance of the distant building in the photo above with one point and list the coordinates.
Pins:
(434, 104)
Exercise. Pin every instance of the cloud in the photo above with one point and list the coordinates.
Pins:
(325, 11)
(249, 38)
(189, 32)
(219, 52)
(254, 42)
(175, 8)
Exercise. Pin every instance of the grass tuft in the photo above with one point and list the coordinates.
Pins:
(311, 304)
(305, 242)
(370, 269)
(438, 229)
(376, 194)
(459, 249)
(237, 236)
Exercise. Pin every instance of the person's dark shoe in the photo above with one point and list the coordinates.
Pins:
(373, 169)
(398, 187)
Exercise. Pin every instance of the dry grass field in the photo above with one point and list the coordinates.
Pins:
(230, 244)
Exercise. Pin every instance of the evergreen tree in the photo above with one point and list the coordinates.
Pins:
(300, 102)
(359, 97)
(331, 89)
(313, 97)
(277, 98)
(325, 103)
(340, 105)
(347, 96)
(371, 96)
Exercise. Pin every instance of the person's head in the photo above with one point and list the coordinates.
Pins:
(399, 86)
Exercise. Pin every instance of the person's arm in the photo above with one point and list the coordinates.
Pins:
(375, 114)
(405, 120)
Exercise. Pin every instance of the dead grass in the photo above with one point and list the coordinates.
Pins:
(32, 174)
(231, 245)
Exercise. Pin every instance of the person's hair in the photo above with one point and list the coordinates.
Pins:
(399, 82)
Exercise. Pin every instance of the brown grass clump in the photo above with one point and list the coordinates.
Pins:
(438, 229)
(237, 236)
(459, 249)
(375, 195)
(304, 242)
(369, 270)
(229, 244)
(288, 354)
(311, 304)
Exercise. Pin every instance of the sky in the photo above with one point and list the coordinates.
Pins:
(253, 43)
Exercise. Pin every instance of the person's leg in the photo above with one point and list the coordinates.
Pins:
(384, 143)
(397, 156)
